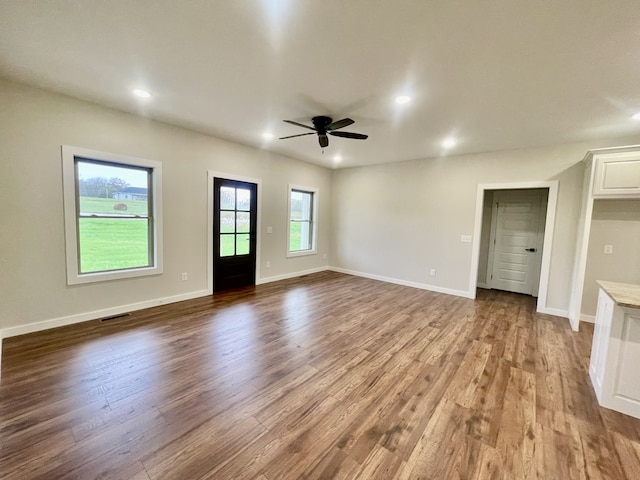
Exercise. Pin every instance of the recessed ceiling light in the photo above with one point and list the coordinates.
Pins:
(636, 116)
(138, 92)
(337, 158)
(267, 136)
(449, 142)
(401, 99)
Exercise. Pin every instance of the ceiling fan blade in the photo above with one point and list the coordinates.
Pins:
(299, 124)
(345, 122)
(299, 135)
(324, 140)
(356, 136)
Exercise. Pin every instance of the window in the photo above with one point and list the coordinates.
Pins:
(112, 207)
(302, 221)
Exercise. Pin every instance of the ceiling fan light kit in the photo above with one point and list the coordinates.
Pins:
(323, 126)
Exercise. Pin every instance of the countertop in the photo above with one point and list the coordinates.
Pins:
(624, 294)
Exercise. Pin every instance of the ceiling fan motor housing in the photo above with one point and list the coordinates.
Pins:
(321, 123)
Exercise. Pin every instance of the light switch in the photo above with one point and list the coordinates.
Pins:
(466, 238)
(608, 249)
(269, 229)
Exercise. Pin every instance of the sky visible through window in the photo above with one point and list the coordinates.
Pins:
(134, 177)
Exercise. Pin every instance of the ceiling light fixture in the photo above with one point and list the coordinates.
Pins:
(138, 92)
(337, 158)
(402, 99)
(635, 116)
(267, 136)
(449, 142)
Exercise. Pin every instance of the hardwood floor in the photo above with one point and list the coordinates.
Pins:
(322, 377)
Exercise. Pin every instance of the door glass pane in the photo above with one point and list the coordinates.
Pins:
(242, 244)
(227, 198)
(227, 222)
(243, 222)
(227, 245)
(244, 199)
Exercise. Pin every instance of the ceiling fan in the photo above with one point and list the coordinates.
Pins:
(325, 125)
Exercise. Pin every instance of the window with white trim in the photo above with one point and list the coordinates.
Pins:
(112, 206)
(301, 235)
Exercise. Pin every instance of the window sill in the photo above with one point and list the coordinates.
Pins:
(301, 253)
(116, 275)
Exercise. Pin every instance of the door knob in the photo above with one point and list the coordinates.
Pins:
(531, 249)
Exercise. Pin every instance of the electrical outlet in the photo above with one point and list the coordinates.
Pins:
(432, 272)
(268, 264)
(185, 276)
(608, 249)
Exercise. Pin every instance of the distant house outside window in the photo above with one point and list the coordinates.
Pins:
(112, 216)
(301, 238)
(131, 193)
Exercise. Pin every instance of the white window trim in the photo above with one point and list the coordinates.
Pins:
(69, 154)
(314, 221)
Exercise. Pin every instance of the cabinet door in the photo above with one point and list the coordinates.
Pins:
(601, 339)
(617, 174)
(626, 383)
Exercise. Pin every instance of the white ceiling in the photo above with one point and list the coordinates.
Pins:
(495, 74)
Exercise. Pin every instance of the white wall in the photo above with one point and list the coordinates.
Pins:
(400, 220)
(34, 124)
(617, 223)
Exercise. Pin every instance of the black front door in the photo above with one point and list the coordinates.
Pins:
(234, 234)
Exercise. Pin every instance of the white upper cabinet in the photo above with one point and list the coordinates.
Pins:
(617, 175)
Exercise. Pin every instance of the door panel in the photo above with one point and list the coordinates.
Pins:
(516, 241)
(234, 234)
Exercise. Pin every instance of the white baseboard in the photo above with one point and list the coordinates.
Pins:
(554, 311)
(587, 318)
(286, 276)
(93, 315)
(397, 281)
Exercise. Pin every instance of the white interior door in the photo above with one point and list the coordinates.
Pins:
(517, 241)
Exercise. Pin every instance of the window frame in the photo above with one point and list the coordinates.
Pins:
(72, 214)
(313, 222)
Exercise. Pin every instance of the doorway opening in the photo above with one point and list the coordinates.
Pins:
(483, 222)
(512, 240)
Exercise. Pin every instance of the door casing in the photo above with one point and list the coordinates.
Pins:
(548, 238)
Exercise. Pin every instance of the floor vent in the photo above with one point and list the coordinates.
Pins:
(115, 317)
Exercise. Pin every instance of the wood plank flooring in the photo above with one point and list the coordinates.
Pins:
(327, 376)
